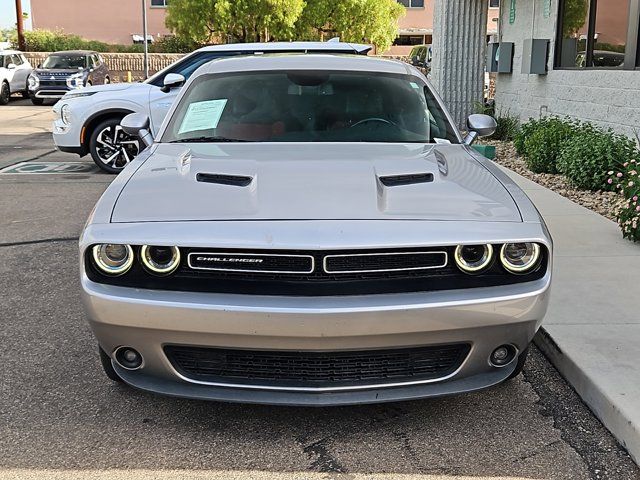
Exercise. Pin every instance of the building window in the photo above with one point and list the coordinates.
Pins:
(412, 3)
(159, 3)
(494, 3)
(596, 33)
(409, 40)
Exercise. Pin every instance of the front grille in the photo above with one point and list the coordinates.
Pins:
(334, 273)
(304, 369)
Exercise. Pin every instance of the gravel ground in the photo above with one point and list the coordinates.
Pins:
(604, 203)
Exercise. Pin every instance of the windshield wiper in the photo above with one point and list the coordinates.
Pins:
(207, 139)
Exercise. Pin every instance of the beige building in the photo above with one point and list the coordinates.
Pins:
(111, 21)
(416, 27)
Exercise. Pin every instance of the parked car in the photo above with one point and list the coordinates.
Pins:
(63, 72)
(14, 70)
(312, 230)
(421, 56)
(89, 121)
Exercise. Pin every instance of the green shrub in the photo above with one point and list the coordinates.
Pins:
(627, 182)
(524, 132)
(57, 40)
(543, 146)
(590, 153)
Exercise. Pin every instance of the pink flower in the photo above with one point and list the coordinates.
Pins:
(635, 198)
(618, 174)
(638, 208)
(610, 181)
(625, 164)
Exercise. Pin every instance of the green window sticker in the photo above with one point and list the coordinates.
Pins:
(512, 12)
(202, 115)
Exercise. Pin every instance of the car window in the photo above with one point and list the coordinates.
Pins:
(188, 65)
(309, 106)
(16, 59)
(4, 60)
(65, 61)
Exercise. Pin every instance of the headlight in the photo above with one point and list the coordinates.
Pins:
(75, 81)
(519, 257)
(113, 259)
(34, 81)
(65, 114)
(160, 260)
(473, 258)
(69, 96)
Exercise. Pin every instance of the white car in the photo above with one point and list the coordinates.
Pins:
(88, 121)
(14, 71)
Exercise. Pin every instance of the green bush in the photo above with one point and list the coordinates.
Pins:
(524, 132)
(54, 41)
(542, 147)
(627, 182)
(590, 153)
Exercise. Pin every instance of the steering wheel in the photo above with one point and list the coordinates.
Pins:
(373, 119)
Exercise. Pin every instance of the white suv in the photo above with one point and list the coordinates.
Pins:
(14, 71)
(88, 121)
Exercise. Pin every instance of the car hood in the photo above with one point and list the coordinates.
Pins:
(116, 87)
(313, 181)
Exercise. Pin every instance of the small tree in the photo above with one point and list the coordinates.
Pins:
(206, 21)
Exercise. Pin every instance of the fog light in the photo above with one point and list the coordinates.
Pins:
(473, 258)
(128, 358)
(113, 258)
(519, 257)
(160, 260)
(503, 355)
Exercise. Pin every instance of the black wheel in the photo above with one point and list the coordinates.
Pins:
(111, 148)
(5, 93)
(522, 359)
(107, 80)
(107, 366)
(37, 101)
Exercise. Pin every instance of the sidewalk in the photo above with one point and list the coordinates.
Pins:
(592, 330)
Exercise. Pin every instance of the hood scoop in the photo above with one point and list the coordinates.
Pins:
(222, 179)
(409, 179)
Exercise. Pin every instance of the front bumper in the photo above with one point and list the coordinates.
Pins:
(148, 320)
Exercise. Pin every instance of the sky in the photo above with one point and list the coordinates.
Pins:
(8, 13)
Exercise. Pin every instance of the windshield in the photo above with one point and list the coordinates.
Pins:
(308, 106)
(65, 61)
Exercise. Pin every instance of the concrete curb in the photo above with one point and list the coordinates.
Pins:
(616, 419)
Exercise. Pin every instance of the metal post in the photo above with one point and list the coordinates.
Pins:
(144, 35)
(20, 25)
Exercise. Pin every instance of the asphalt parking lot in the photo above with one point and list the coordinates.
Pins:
(61, 418)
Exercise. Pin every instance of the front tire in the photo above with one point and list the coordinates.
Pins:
(112, 149)
(37, 101)
(107, 366)
(5, 93)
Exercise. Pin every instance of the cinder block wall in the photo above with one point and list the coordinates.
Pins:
(610, 98)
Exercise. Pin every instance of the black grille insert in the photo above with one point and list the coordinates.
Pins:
(384, 262)
(304, 369)
(249, 262)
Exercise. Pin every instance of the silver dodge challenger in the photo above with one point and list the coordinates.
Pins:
(313, 230)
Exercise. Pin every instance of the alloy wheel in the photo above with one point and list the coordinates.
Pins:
(115, 148)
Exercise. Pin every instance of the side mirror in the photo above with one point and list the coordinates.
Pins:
(11, 66)
(137, 125)
(479, 125)
(172, 80)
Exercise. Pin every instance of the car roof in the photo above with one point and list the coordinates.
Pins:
(299, 61)
(74, 52)
(9, 52)
(332, 46)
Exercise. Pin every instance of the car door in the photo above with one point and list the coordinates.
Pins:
(20, 73)
(104, 71)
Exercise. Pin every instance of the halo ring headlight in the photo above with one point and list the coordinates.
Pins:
(112, 258)
(473, 258)
(519, 257)
(160, 260)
